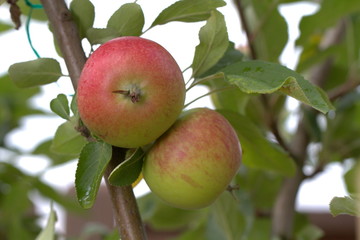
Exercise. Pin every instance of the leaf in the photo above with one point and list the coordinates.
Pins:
(188, 11)
(160, 216)
(14, 105)
(48, 233)
(57, 158)
(93, 160)
(258, 152)
(101, 35)
(53, 194)
(83, 13)
(34, 73)
(351, 178)
(4, 26)
(265, 77)
(310, 232)
(67, 140)
(60, 106)
(128, 20)
(345, 205)
(226, 221)
(73, 105)
(37, 13)
(330, 12)
(267, 27)
(231, 99)
(213, 44)
(129, 170)
(261, 186)
(232, 55)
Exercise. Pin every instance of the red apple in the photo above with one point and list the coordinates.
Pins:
(130, 91)
(194, 161)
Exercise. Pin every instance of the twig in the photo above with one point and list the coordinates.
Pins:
(344, 89)
(67, 36)
(245, 25)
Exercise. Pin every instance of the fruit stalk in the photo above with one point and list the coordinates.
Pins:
(67, 36)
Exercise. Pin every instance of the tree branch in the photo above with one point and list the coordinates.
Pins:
(66, 34)
(126, 211)
(67, 37)
(344, 89)
(284, 208)
(245, 25)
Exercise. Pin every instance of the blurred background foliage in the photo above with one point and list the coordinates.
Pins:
(329, 43)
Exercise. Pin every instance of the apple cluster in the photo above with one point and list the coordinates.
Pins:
(131, 93)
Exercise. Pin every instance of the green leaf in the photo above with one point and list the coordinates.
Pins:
(265, 77)
(213, 44)
(261, 186)
(340, 140)
(268, 28)
(351, 177)
(4, 26)
(129, 170)
(231, 99)
(330, 12)
(34, 73)
(345, 205)
(48, 233)
(162, 217)
(73, 105)
(67, 140)
(197, 233)
(258, 152)
(56, 158)
(226, 221)
(188, 11)
(51, 193)
(101, 35)
(92, 163)
(83, 13)
(232, 55)
(309, 232)
(37, 13)
(14, 105)
(60, 106)
(128, 20)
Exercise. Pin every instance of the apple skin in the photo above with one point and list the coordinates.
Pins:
(131, 90)
(194, 161)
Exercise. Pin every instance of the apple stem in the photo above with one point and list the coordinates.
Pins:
(134, 95)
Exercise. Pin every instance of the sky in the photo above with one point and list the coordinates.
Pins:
(180, 40)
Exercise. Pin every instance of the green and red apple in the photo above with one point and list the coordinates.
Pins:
(131, 90)
(194, 161)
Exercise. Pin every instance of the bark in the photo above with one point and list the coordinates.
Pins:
(284, 208)
(66, 34)
(127, 216)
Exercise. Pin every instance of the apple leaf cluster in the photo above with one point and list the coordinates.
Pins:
(248, 87)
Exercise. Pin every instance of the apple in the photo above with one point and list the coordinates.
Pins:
(130, 91)
(193, 162)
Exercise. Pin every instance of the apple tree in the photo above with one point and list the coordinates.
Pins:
(248, 86)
